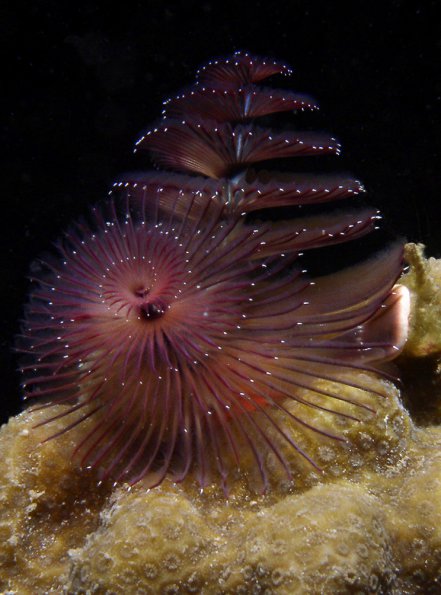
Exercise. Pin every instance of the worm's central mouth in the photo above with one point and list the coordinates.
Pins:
(152, 309)
(149, 306)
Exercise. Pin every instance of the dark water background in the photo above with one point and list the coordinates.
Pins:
(82, 80)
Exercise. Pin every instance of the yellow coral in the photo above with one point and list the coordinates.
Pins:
(47, 506)
(424, 282)
(370, 522)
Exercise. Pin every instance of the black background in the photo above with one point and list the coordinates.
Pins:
(82, 80)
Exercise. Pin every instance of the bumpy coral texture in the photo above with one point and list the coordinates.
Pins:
(423, 281)
(370, 523)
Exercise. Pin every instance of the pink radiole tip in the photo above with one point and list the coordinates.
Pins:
(181, 330)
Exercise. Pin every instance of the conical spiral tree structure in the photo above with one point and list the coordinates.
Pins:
(181, 329)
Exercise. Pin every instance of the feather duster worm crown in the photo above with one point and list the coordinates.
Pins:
(181, 331)
(210, 129)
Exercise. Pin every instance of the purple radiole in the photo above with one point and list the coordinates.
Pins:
(180, 333)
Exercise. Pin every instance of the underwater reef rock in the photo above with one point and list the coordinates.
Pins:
(370, 523)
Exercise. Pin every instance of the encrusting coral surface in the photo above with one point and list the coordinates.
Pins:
(369, 523)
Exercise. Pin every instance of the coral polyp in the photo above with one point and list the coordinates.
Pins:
(181, 330)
